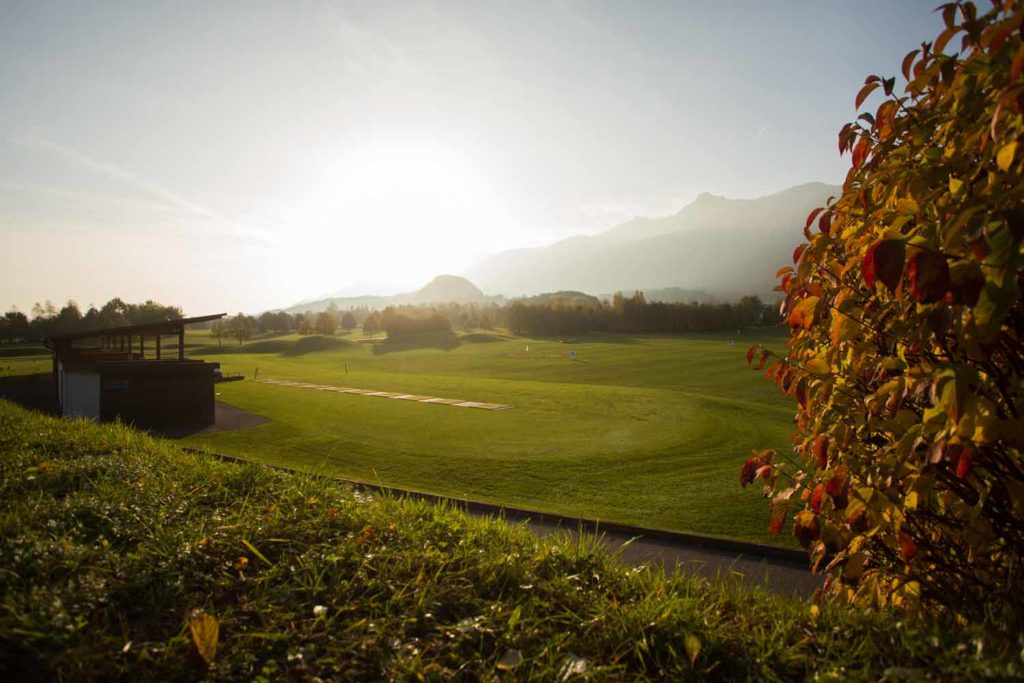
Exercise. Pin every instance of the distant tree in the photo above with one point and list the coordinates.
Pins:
(750, 310)
(217, 330)
(68, 319)
(485, 322)
(306, 323)
(371, 325)
(241, 327)
(14, 326)
(348, 321)
(325, 323)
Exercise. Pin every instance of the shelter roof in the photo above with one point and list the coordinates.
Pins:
(153, 328)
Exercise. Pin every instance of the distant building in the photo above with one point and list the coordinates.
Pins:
(120, 373)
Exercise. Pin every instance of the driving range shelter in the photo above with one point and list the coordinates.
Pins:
(123, 373)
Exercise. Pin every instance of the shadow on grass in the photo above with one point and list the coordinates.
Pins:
(35, 391)
(440, 339)
(284, 347)
(23, 350)
(315, 343)
(484, 337)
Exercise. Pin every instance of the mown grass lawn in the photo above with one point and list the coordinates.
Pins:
(648, 430)
(119, 554)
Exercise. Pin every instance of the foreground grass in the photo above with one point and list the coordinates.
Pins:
(646, 430)
(109, 541)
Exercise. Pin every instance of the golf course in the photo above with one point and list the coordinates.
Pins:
(648, 430)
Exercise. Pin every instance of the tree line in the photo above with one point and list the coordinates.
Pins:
(47, 320)
(553, 314)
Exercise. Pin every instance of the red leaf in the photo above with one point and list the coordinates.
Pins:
(907, 546)
(860, 152)
(763, 359)
(883, 260)
(817, 496)
(928, 273)
(1018, 64)
(749, 470)
(965, 461)
(820, 450)
(798, 252)
(825, 222)
(778, 516)
(812, 215)
(750, 354)
(837, 488)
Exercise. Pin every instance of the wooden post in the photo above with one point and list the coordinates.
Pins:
(158, 346)
(142, 346)
(129, 344)
(181, 343)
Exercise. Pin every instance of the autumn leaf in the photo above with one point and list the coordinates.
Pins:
(205, 631)
(965, 461)
(883, 261)
(907, 546)
(928, 274)
(749, 471)
(820, 450)
(1004, 157)
(692, 645)
(778, 516)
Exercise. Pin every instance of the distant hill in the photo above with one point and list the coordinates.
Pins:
(722, 247)
(442, 289)
(571, 299)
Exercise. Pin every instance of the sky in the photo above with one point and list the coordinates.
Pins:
(241, 156)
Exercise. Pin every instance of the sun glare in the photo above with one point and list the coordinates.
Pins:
(414, 208)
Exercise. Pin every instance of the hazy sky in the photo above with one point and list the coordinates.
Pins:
(244, 155)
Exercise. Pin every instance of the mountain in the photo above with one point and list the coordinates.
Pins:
(725, 247)
(442, 289)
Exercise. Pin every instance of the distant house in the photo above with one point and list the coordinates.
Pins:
(121, 373)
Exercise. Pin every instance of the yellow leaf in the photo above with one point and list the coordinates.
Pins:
(815, 611)
(1004, 158)
(692, 645)
(955, 184)
(911, 500)
(205, 631)
(817, 366)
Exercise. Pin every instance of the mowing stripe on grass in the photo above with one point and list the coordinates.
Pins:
(459, 403)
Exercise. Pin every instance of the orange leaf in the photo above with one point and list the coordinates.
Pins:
(863, 94)
(908, 61)
(820, 450)
(860, 152)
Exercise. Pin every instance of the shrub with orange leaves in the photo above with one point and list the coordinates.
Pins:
(906, 358)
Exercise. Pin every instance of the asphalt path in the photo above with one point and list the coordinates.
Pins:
(780, 576)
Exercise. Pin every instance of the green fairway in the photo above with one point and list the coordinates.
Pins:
(646, 430)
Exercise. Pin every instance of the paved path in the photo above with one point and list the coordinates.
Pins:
(780, 576)
(456, 402)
